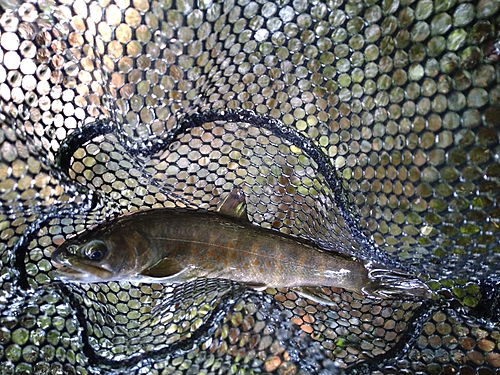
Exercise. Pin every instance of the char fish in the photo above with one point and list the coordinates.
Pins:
(176, 246)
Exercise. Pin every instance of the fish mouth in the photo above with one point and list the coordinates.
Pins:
(73, 269)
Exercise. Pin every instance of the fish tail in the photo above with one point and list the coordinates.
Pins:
(387, 283)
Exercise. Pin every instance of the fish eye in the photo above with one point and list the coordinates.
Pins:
(96, 250)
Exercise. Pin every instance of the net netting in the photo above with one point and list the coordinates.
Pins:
(370, 127)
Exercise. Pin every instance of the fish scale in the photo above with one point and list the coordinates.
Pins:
(401, 95)
(166, 245)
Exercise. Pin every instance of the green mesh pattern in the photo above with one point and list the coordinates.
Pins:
(373, 117)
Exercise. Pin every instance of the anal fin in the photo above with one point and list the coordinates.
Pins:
(314, 293)
(257, 286)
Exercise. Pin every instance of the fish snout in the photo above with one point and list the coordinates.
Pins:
(61, 256)
(71, 266)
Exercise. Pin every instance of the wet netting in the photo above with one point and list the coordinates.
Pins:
(369, 127)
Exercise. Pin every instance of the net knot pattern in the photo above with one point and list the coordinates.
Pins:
(369, 127)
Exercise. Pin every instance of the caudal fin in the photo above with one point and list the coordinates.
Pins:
(390, 283)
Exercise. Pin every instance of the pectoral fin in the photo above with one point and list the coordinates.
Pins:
(314, 294)
(166, 267)
(234, 205)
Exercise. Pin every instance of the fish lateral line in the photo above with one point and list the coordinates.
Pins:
(260, 255)
(137, 248)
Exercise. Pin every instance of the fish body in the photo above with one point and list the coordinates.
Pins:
(173, 245)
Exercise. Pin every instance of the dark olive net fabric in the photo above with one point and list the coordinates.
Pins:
(370, 127)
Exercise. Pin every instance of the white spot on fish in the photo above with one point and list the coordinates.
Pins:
(336, 274)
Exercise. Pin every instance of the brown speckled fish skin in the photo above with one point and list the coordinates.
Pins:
(174, 245)
(217, 246)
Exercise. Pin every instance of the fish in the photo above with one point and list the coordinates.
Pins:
(180, 245)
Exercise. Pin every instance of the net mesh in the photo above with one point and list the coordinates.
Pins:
(370, 127)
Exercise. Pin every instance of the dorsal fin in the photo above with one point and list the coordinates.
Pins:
(234, 205)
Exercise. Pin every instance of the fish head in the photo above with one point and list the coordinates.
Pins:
(110, 253)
